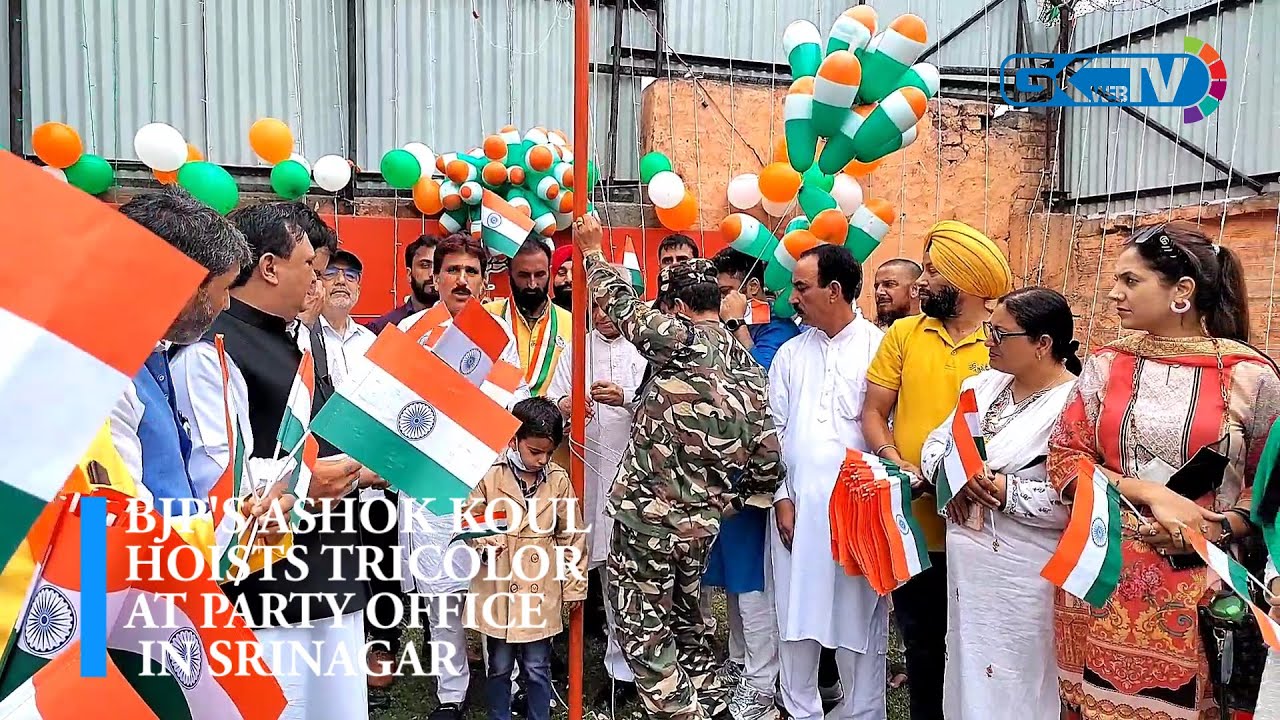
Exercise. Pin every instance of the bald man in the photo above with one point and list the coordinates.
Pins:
(915, 378)
(895, 291)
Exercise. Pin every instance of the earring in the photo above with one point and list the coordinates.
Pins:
(1180, 306)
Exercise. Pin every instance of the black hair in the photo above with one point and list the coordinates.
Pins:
(699, 297)
(192, 227)
(911, 266)
(730, 261)
(678, 240)
(424, 241)
(312, 225)
(836, 264)
(539, 418)
(269, 229)
(461, 243)
(1042, 312)
(1221, 297)
(533, 245)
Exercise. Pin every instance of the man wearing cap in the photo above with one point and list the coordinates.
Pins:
(562, 277)
(346, 340)
(702, 420)
(915, 378)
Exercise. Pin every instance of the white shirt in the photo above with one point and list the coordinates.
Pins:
(197, 385)
(608, 432)
(346, 350)
(816, 389)
(125, 419)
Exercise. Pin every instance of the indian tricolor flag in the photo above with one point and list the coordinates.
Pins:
(480, 524)
(294, 435)
(417, 423)
(59, 692)
(965, 453)
(907, 546)
(64, 364)
(631, 263)
(758, 313)
(503, 383)
(503, 228)
(472, 343)
(230, 483)
(1237, 578)
(1087, 561)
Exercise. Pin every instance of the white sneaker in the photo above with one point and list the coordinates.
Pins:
(748, 703)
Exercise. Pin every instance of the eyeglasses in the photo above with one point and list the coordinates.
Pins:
(351, 274)
(997, 335)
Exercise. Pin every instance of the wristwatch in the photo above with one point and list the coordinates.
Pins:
(1227, 532)
(733, 324)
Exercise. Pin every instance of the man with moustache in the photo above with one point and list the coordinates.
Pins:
(676, 248)
(895, 291)
(419, 265)
(542, 329)
(915, 379)
(562, 278)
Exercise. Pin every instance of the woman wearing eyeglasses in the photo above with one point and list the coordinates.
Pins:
(1005, 525)
(1187, 386)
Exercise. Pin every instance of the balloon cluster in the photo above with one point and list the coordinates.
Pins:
(59, 147)
(533, 172)
(173, 160)
(676, 207)
(847, 109)
(291, 174)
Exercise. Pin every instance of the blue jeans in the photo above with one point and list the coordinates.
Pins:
(535, 673)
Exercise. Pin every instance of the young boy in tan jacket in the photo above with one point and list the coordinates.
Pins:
(534, 569)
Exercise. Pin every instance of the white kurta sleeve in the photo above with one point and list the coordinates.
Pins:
(197, 383)
(512, 355)
(935, 446)
(1034, 501)
(561, 380)
(780, 405)
(126, 416)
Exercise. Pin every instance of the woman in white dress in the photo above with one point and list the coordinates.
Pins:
(1006, 524)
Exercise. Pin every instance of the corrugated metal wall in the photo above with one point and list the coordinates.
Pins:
(1113, 154)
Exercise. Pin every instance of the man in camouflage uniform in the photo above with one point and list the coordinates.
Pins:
(701, 420)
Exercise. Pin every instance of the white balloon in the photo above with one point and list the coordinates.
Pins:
(297, 157)
(160, 147)
(56, 172)
(848, 194)
(666, 190)
(426, 158)
(744, 191)
(332, 173)
(776, 209)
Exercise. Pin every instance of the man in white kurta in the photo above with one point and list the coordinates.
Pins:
(614, 371)
(816, 387)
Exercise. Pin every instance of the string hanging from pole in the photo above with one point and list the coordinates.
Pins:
(88, 75)
(1211, 121)
(1235, 136)
(204, 95)
(1177, 151)
(297, 74)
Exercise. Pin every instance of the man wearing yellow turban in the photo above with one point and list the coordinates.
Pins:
(915, 378)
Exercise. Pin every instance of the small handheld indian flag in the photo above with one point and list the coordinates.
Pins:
(631, 263)
(294, 435)
(757, 313)
(1237, 578)
(503, 228)
(1087, 561)
(966, 451)
(417, 423)
(481, 524)
(906, 546)
(472, 343)
(58, 692)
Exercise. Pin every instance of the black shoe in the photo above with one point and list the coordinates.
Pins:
(520, 704)
(446, 711)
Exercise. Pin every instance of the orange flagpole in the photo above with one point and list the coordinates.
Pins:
(578, 417)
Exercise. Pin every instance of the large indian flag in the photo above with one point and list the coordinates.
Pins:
(58, 692)
(1087, 561)
(159, 629)
(965, 452)
(417, 423)
(64, 364)
(503, 228)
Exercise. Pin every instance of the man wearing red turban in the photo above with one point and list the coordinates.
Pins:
(562, 277)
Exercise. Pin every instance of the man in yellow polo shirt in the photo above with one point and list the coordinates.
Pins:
(915, 379)
(542, 329)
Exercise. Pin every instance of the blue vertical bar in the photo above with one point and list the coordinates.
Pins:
(93, 586)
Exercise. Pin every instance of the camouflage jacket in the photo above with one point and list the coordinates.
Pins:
(702, 436)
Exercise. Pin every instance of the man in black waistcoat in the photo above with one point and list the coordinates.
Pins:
(263, 336)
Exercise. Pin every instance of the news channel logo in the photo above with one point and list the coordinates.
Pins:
(1194, 80)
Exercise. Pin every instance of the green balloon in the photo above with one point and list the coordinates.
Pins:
(210, 184)
(290, 179)
(92, 174)
(652, 164)
(776, 276)
(782, 306)
(593, 175)
(401, 169)
(815, 177)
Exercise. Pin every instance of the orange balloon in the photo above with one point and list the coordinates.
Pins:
(57, 144)
(861, 169)
(271, 139)
(780, 151)
(426, 196)
(194, 154)
(830, 226)
(797, 242)
(779, 182)
(682, 216)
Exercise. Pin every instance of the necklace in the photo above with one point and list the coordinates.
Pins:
(995, 419)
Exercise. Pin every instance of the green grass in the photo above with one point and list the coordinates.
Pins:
(412, 698)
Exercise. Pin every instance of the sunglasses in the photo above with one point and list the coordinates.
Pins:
(997, 335)
(351, 274)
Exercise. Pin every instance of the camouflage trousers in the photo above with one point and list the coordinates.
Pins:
(653, 584)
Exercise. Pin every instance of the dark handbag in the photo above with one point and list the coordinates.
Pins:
(1233, 643)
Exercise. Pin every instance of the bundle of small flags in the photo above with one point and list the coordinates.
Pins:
(873, 532)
